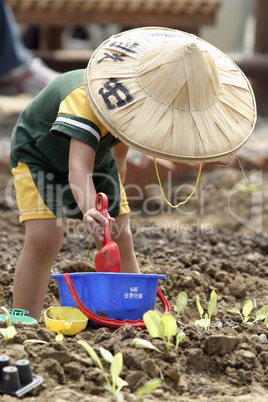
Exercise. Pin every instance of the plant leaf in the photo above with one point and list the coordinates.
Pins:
(9, 332)
(116, 366)
(205, 322)
(143, 344)
(248, 307)
(248, 188)
(120, 383)
(261, 314)
(154, 325)
(181, 301)
(59, 337)
(212, 303)
(170, 325)
(200, 309)
(118, 396)
(35, 341)
(8, 318)
(234, 311)
(108, 387)
(91, 352)
(150, 386)
(106, 355)
(179, 338)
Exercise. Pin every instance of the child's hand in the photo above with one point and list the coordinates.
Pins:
(94, 222)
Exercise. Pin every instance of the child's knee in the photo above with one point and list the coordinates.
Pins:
(44, 238)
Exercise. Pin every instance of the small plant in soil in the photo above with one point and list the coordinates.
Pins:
(205, 321)
(181, 301)
(247, 188)
(163, 327)
(33, 341)
(116, 362)
(59, 338)
(246, 310)
(89, 255)
(147, 388)
(262, 315)
(10, 331)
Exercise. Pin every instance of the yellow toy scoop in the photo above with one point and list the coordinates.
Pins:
(65, 320)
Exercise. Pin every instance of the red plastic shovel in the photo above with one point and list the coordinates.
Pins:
(108, 258)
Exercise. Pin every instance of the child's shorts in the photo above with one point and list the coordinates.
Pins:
(42, 194)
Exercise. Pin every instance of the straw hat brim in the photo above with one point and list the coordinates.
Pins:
(171, 95)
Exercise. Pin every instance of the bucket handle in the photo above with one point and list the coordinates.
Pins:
(110, 322)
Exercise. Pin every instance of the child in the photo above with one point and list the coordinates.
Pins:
(155, 89)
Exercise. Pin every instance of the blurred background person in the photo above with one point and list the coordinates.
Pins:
(20, 72)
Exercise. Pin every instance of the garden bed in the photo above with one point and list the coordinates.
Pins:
(230, 363)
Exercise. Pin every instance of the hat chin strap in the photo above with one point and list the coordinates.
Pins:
(161, 188)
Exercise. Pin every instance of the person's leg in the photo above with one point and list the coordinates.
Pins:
(20, 72)
(13, 53)
(121, 234)
(42, 244)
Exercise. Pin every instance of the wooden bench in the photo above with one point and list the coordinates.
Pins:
(51, 16)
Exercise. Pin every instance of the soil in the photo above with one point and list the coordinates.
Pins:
(217, 241)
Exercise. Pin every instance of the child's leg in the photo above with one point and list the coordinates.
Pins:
(42, 244)
(121, 234)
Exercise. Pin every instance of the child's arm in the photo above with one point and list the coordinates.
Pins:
(120, 156)
(81, 163)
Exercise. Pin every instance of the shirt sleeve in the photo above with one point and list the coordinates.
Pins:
(76, 119)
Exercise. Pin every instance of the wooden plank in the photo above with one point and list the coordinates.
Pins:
(46, 18)
(64, 60)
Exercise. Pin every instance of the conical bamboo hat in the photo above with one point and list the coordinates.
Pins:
(171, 95)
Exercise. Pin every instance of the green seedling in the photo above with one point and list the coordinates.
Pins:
(206, 320)
(89, 254)
(35, 341)
(147, 388)
(143, 344)
(59, 338)
(262, 314)
(246, 310)
(10, 331)
(247, 188)
(163, 327)
(181, 301)
(116, 362)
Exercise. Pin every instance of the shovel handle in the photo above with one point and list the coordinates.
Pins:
(101, 205)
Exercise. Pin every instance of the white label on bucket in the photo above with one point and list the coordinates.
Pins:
(133, 294)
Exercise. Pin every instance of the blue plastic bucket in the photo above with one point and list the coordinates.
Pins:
(112, 295)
